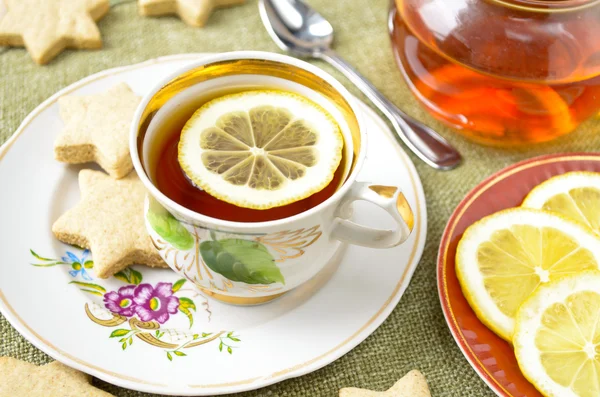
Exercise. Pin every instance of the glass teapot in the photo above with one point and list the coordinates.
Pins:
(501, 72)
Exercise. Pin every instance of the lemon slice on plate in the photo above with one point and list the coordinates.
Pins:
(261, 149)
(504, 257)
(575, 195)
(557, 337)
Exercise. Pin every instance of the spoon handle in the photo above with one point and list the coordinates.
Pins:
(427, 144)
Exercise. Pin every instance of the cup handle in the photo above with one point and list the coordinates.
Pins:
(391, 199)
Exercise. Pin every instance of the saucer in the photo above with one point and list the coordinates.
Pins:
(491, 356)
(49, 293)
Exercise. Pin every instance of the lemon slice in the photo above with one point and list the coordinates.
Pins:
(557, 337)
(575, 195)
(261, 149)
(504, 257)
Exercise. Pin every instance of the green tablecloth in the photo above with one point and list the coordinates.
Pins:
(415, 335)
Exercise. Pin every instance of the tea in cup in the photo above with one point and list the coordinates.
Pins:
(250, 160)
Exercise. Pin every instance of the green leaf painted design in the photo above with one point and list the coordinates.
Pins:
(41, 258)
(180, 354)
(49, 264)
(135, 277)
(229, 349)
(129, 276)
(187, 303)
(241, 260)
(168, 227)
(121, 276)
(90, 286)
(169, 356)
(188, 313)
(178, 284)
(89, 291)
(185, 306)
(119, 332)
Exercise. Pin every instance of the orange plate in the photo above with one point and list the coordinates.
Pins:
(491, 357)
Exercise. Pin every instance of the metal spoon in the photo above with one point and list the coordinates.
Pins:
(299, 29)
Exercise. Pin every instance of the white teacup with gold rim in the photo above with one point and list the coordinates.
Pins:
(241, 260)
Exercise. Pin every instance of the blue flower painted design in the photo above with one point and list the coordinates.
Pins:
(79, 265)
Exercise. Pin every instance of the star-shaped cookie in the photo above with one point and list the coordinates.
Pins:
(97, 129)
(19, 378)
(109, 220)
(46, 27)
(192, 12)
(413, 384)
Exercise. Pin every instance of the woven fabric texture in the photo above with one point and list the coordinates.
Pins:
(415, 336)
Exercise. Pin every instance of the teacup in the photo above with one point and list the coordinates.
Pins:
(251, 263)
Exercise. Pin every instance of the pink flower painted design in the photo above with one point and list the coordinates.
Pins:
(155, 303)
(121, 301)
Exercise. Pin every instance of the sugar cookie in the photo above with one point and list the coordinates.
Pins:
(109, 220)
(413, 384)
(192, 12)
(47, 27)
(20, 378)
(97, 129)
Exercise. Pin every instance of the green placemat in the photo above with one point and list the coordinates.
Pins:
(415, 335)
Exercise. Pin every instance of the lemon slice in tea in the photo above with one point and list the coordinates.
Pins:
(261, 149)
(504, 257)
(575, 195)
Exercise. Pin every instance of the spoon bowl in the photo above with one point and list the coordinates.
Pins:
(297, 27)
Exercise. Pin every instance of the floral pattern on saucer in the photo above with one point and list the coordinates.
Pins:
(140, 309)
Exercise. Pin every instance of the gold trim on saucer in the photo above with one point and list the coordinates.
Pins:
(239, 300)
